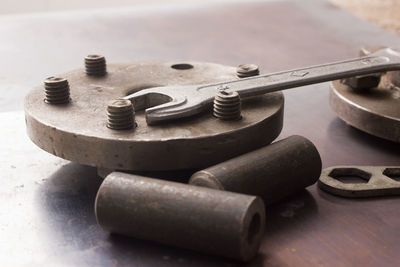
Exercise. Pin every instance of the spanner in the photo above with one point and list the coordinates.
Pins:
(379, 181)
(174, 102)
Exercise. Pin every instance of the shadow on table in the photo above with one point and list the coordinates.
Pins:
(359, 146)
(283, 221)
(289, 213)
(65, 204)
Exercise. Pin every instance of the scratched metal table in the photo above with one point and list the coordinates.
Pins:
(46, 203)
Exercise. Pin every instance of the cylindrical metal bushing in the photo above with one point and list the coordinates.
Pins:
(198, 218)
(272, 172)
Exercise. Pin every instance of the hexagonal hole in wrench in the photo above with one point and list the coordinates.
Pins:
(392, 173)
(350, 175)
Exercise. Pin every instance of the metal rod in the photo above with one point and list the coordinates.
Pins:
(272, 172)
(217, 222)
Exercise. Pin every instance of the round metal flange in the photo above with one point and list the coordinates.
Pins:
(78, 130)
(375, 111)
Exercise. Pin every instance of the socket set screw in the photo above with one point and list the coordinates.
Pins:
(247, 70)
(121, 115)
(56, 90)
(227, 106)
(95, 65)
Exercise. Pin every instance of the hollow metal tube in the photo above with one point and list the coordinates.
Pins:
(216, 222)
(272, 172)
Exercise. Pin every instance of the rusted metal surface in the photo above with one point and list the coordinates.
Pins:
(377, 181)
(78, 131)
(46, 203)
(215, 222)
(272, 172)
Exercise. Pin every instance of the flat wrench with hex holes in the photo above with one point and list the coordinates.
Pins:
(379, 181)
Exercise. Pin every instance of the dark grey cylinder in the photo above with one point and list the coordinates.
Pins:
(216, 222)
(272, 172)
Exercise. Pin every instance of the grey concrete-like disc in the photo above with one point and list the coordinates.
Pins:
(375, 111)
(77, 131)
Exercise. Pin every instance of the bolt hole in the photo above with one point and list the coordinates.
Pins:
(182, 66)
(350, 175)
(392, 173)
(254, 228)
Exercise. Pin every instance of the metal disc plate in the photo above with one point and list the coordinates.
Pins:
(375, 111)
(77, 131)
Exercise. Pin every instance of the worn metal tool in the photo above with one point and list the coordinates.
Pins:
(174, 102)
(272, 172)
(192, 217)
(375, 181)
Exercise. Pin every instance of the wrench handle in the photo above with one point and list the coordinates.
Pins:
(305, 76)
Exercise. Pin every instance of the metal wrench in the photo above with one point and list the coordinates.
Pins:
(174, 102)
(379, 181)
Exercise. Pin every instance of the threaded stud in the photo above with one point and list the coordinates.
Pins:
(247, 70)
(121, 115)
(56, 90)
(95, 65)
(227, 106)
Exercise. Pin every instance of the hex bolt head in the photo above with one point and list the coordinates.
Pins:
(393, 77)
(364, 82)
(227, 106)
(56, 90)
(247, 70)
(95, 65)
(121, 115)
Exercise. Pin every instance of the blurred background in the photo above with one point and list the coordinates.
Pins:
(382, 12)
(28, 6)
